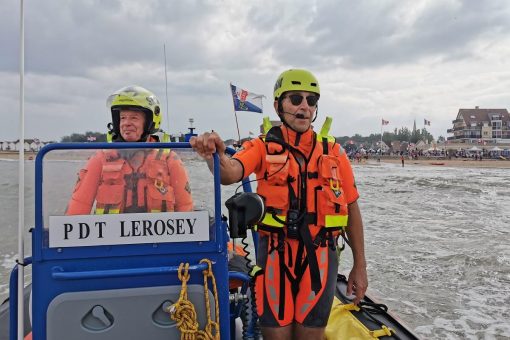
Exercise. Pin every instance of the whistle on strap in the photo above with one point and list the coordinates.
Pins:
(334, 183)
(160, 186)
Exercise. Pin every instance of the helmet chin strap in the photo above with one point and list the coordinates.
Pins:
(316, 113)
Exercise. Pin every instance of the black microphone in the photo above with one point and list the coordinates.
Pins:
(297, 115)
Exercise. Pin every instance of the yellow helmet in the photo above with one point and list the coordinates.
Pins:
(135, 98)
(295, 80)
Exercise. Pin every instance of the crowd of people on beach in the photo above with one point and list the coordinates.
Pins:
(361, 155)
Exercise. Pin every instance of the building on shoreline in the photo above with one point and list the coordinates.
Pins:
(483, 126)
(29, 145)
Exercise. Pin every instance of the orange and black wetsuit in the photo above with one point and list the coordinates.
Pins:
(307, 184)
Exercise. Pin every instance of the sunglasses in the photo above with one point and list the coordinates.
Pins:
(297, 99)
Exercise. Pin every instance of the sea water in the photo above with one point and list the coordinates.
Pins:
(437, 241)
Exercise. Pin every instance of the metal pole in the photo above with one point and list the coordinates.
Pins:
(380, 144)
(235, 114)
(21, 178)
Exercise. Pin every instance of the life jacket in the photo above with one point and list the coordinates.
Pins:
(122, 189)
(285, 183)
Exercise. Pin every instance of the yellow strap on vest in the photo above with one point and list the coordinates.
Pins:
(270, 221)
(324, 133)
(109, 136)
(165, 138)
(266, 125)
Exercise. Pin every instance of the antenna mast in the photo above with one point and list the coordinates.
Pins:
(166, 92)
(21, 179)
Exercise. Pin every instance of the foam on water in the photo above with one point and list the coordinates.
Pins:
(436, 247)
(6, 264)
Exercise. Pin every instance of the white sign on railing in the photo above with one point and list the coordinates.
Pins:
(95, 230)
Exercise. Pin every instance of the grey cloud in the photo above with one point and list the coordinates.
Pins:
(375, 33)
(67, 37)
(371, 56)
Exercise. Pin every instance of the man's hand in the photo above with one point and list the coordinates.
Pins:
(357, 283)
(208, 143)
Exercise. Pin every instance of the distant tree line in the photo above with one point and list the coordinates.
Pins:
(88, 136)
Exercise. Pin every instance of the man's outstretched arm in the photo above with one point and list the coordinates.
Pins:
(206, 145)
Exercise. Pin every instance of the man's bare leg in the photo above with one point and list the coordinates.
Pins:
(277, 333)
(308, 333)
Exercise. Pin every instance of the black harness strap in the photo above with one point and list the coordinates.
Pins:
(324, 145)
(320, 239)
(281, 258)
(300, 267)
(315, 276)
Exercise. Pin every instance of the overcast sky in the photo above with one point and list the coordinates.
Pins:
(393, 59)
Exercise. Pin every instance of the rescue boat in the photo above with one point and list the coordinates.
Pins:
(111, 288)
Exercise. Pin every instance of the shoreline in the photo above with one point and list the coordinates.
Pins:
(12, 155)
(455, 163)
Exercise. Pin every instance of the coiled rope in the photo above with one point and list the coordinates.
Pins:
(183, 311)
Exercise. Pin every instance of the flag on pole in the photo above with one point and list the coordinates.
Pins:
(385, 122)
(245, 100)
(426, 122)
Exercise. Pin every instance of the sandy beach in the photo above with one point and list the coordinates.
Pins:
(29, 155)
(455, 162)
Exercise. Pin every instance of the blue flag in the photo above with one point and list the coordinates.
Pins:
(245, 100)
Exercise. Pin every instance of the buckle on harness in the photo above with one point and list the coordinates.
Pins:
(317, 242)
(320, 240)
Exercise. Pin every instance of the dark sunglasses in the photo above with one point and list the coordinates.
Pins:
(297, 99)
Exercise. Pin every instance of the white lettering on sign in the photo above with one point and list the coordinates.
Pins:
(96, 230)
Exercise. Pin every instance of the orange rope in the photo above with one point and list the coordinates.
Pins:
(212, 328)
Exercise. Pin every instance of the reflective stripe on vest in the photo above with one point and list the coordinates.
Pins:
(331, 221)
(270, 220)
(100, 211)
(334, 221)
